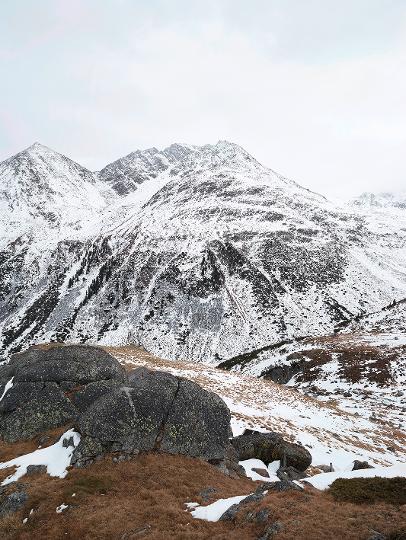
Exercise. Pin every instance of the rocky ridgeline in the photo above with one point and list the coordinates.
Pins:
(126, 413)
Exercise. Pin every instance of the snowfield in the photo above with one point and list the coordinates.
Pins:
(324, 481)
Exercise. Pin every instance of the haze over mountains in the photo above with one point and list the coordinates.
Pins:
(193, 252)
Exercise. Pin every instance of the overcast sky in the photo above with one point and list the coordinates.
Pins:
(315, 89)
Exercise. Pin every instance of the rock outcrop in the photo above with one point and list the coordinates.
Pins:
(155, 411)
(49, 388)
(113, 411)
(269, 447)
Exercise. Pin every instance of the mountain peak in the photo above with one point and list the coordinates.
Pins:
(38, 147)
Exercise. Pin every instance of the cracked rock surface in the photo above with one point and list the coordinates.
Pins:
(49, 388)
(156, 411)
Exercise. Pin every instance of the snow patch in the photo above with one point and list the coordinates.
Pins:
(9, 385)
(324, 480)
(214, 511)
(56, 458)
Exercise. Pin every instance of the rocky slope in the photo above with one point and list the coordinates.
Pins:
(195, 252)
(362, 367)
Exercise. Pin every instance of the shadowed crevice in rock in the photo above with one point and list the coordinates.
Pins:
(158, 440)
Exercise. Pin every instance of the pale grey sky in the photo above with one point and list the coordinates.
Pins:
(313, 88)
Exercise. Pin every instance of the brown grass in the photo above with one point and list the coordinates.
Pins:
(117, 500)
(145, 497)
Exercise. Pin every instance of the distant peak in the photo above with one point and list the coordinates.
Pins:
(37, 146)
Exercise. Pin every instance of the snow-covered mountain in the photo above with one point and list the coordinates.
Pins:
(43, 192)
(193, 252)
(381, 200)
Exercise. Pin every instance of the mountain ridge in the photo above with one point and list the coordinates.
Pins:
(210, 256)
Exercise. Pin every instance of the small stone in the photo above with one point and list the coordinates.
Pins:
(262, 516)
(206, 493)
(66, 443)
(358, 465)
(13, 502)
(271, 531)
(261, 472)
(377, 536)
(36, 469)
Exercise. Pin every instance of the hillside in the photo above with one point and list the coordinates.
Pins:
(128, 491)
(194, 252)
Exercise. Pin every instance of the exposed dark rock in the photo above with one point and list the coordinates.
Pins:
(128, 418)
(36, 469)
(270, 447)
(198, 423)
(261, 472)
(262, 516)
(91, 392)
(150, 410)
(361, 465)
(14, 501)
(229, 465)
(207, 493)
(51, 387)
(231, 513)
(66, 443)
(88, 450)
(290, 473)
(283, 374)
(271, 531)
(377, 536)
(156, 411)
(47, 408)
(283, 485)
(82, 364)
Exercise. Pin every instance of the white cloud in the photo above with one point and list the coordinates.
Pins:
(333, 121)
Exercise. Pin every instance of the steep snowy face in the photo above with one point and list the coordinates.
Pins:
(126, 174)
(42, 191)
(207, 255)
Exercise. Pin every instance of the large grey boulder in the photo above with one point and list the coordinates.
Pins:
(79, 364)
(113, 412)
(198, 424)
(155, 411)
(270, 447)
(51, 387)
